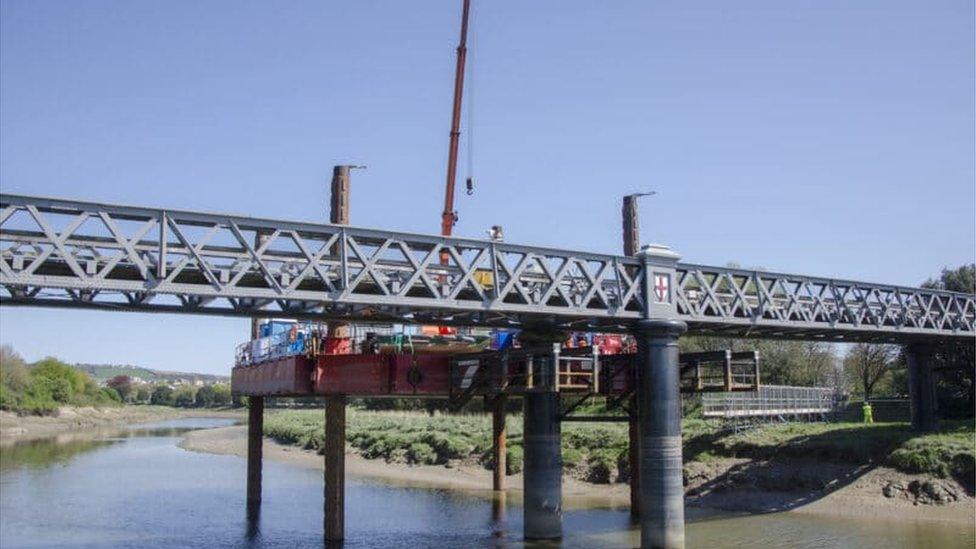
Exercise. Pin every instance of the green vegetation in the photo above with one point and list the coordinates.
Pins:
(44, 386)
(598, 452)
(41, 388)
(951, 452)
(188, 396)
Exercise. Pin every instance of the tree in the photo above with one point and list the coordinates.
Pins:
(205, 396)
(143, 393)
(961, 279)
(162, 395)
(123, 386)
(955, 363)
(185, 396)
(13, 370)
(222, 395)
(867, 363)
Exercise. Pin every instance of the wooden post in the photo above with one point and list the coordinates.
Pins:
(634, 457)
(499, 442)
(335, 467)
(255, 438)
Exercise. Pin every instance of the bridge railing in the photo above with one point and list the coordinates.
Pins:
(68, 253)
(775, 303)
(189, 260)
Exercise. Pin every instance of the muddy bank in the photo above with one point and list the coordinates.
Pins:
(816, 487)
(470, 478)
(14, 428)
(727, 484)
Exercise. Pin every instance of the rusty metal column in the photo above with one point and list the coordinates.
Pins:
(499, 441)
(335, 467)
(631, 238)
(255, 426)
(659, 403)
(334, 513)
(542, 437)
(255, 440)
(921, 387)
(339, 215)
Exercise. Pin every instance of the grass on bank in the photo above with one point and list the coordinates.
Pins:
(598, 452)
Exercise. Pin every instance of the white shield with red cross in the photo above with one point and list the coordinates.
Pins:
(662, 287)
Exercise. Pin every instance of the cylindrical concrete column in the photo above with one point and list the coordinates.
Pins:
(543, 466)
(659, 408)
(633, 455)
(921, 386)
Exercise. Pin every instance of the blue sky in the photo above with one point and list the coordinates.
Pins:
(829, 137)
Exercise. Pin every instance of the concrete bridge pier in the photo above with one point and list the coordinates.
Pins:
(921, 386)
(543, 467)
(542, 437)
(633, 455)
(659, 407)
(658, 393)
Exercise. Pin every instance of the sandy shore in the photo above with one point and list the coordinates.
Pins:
(851, 492)
(14, 428)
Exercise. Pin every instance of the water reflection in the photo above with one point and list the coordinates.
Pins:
(40, 454)
(60, 449)
(136, 487)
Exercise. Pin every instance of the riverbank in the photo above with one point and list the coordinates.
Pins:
(731, 484)
(15, 428)
(458, 476)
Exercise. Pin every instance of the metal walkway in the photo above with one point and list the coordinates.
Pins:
(68, 253)
(770, 401)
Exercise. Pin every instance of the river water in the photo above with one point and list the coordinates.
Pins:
(138, 488)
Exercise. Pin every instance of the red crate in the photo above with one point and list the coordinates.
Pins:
(353, 374)
(290, 376)
(428, 375)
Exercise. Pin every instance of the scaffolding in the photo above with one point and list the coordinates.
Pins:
(771, 402)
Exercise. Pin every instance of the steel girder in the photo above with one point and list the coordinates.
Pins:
(67, 253)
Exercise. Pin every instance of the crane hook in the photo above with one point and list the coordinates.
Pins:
(470, 186)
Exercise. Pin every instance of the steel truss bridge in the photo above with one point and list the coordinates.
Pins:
(65, 253)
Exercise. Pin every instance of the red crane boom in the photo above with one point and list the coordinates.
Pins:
(449, 216)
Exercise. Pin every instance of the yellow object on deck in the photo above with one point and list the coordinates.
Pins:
(484, 278)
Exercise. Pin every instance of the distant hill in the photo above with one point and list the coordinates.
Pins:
(103, 372)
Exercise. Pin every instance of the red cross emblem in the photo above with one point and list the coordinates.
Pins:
(661, 287)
